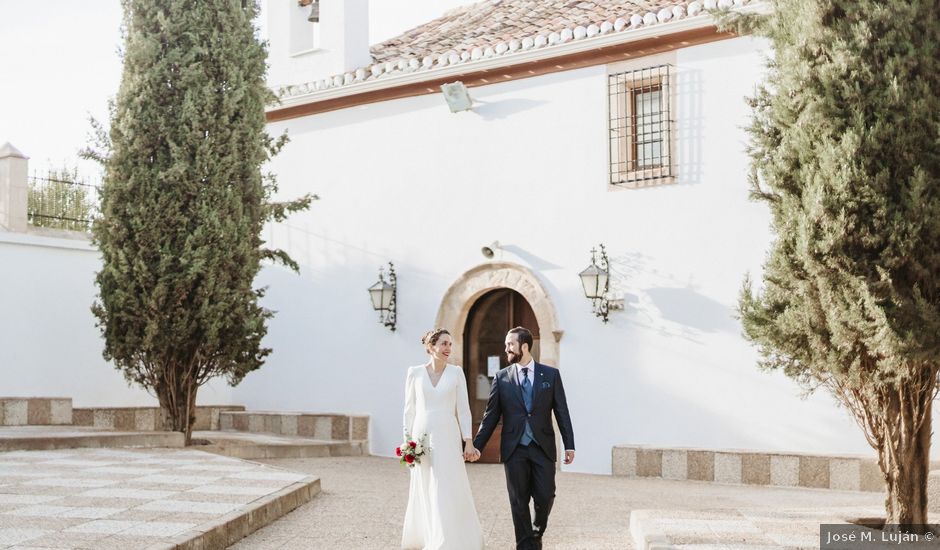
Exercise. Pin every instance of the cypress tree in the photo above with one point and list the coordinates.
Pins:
(184, 200)
(845, 153)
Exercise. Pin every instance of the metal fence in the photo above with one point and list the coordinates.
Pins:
(61, 204)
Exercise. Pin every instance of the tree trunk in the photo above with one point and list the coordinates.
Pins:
(177, 397)
(906, 467)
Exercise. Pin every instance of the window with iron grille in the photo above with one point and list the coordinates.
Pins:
(641, 127)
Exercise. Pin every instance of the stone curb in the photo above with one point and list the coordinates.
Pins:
(252, 451)
(233, 527)
(839, 472)
(645, 538)
(93, 440)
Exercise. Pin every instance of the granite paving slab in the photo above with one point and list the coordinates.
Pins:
(139, 498)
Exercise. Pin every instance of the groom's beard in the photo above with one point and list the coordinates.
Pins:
(513, 357)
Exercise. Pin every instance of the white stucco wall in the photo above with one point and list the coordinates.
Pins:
(49, 345)
(410, 182)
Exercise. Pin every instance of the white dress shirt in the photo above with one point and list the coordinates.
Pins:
(530, 375)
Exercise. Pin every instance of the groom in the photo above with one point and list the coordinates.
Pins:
(524, 395)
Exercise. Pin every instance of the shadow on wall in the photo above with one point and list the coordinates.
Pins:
(535, 262)
(763, 414)
(497, 110)
(690, 127)
(687, 307)
(673, 311)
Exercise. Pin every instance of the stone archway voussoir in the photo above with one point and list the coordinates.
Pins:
(463, 293)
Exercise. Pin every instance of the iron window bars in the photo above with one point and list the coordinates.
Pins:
(641, 126)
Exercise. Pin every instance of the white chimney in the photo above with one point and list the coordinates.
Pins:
(301, 50)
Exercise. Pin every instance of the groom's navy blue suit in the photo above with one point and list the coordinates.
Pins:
(530, 469)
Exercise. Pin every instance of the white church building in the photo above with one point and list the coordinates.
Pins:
(567, 126)
(615, 123)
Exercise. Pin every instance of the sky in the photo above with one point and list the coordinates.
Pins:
(60, 66)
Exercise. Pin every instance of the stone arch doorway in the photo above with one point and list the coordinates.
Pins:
(478, 309)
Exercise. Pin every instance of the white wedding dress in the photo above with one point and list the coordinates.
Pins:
(440, 514)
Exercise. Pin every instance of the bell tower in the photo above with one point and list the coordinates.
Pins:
(313, 39)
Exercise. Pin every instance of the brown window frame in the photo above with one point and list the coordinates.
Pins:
(624, 88)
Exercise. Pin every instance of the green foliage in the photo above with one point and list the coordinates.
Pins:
(846, 154)
(184, 198)
(61, 200)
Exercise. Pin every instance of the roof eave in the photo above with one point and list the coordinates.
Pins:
(581, 46)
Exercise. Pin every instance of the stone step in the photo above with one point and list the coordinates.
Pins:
(35, 411)
(323, 426)
(841, 472)
(746, 528)
(47, 438)
(248, 445)
(235, 526)
(145, 418)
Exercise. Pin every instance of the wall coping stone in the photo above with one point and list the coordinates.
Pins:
(70, 240)
(847, 472)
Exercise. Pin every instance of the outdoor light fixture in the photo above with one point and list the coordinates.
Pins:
(314, 16)
(596, 282)
(384, 296)
(457, 97)
(490, 250)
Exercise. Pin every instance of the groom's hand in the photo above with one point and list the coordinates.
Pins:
(569, 457)
(468, 450)
(471, 454)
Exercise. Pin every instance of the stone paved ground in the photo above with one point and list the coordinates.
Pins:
(363, 499)
(124, 499)
(744, 529)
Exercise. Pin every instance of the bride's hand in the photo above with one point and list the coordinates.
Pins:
(468, 450)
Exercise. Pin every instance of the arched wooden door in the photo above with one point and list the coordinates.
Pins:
(490, 318)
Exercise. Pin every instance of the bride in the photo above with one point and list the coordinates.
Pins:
(440, 514)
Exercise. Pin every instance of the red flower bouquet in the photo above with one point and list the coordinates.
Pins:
(411, 451)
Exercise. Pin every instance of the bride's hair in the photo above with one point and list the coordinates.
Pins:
(432, 336)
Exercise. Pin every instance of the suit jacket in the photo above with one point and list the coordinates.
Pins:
(548, 396)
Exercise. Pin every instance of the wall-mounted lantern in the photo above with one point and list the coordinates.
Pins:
(384, 296)
(596, 282)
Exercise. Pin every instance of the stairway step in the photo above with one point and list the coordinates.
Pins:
(35, 411)
(256, 445)
(323, 426)
(47, 438)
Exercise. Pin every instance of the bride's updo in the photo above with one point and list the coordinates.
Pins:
(431, 337)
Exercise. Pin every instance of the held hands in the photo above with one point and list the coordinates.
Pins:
(470, 453)
(569, 457)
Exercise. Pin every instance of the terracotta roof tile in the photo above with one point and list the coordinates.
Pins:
(491, 21)
(505, 28)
